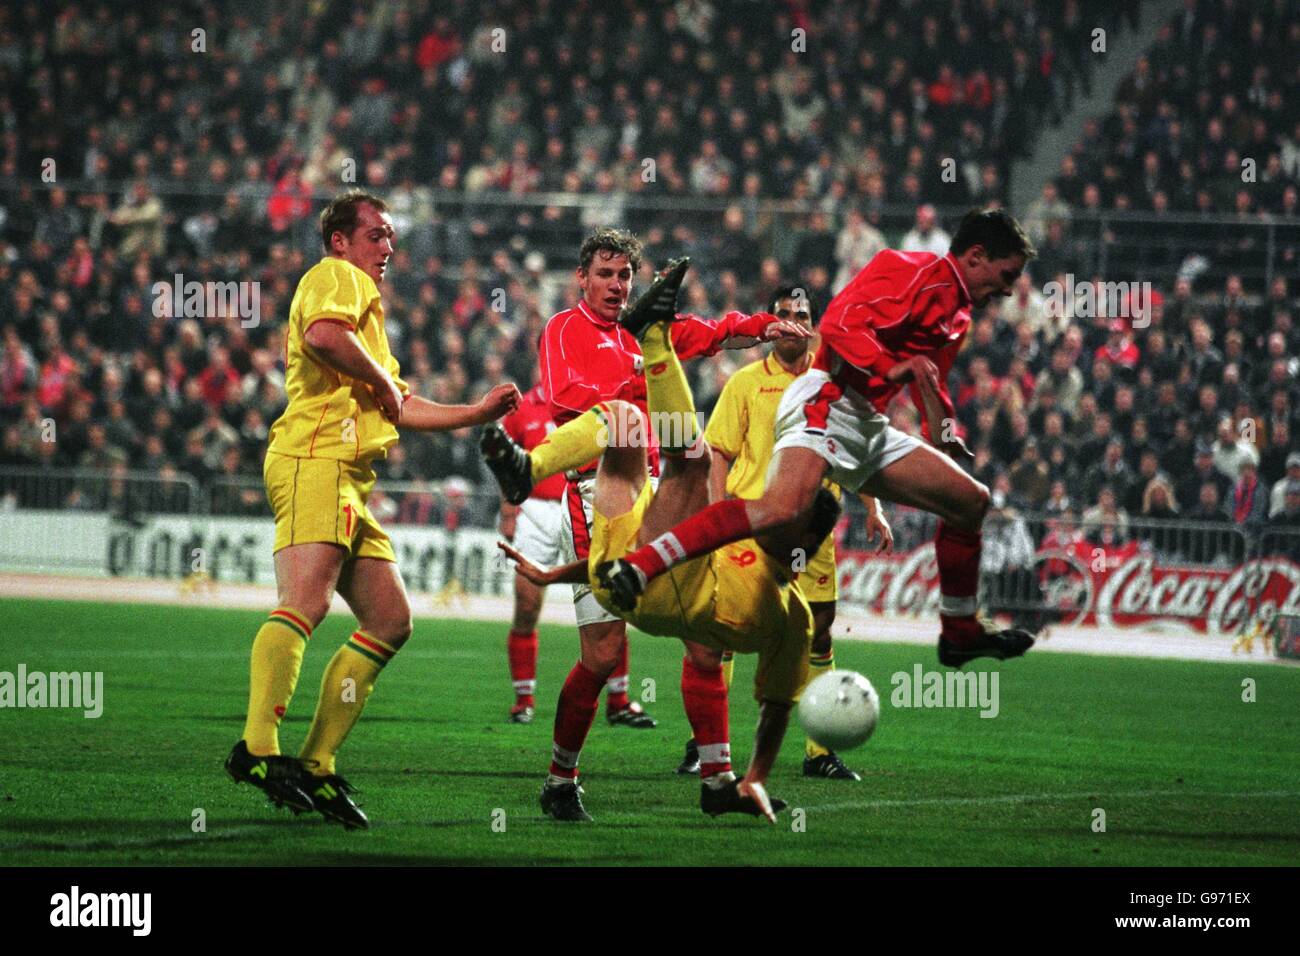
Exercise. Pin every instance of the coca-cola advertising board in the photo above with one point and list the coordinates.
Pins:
(1082, 583)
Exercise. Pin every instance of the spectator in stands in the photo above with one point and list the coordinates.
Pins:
(1249, 501)
(1048, 207)
(139, 220)
(1277, 498)
(1105, 524)
(927, 235)
(1203, 471)
(1207, 545)
(1230, 453)
(856, 245)
(1111, 472)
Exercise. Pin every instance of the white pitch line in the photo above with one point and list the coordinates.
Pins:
(1045, 798)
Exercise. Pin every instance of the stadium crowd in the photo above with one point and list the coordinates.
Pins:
(196, 145)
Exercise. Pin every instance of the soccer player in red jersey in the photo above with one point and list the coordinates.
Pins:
(590, 366)
(900, 322)
(534, 528)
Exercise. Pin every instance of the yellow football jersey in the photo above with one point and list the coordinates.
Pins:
(332, 415)
(743, 425)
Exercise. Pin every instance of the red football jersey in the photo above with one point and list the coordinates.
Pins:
(528, 425)
(902, 304)
(587, 360)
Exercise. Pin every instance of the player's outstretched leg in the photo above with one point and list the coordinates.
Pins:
(658, 303)
(509, 463)
(928, 479)
(575, 443)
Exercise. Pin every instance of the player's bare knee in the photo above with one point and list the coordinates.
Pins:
(526, 614)
(394, 631)
(313, 608)
(976, 506)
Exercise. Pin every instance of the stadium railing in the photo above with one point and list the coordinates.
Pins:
(115, 490)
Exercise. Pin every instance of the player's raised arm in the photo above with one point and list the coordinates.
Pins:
(694, 335)
(423, 415)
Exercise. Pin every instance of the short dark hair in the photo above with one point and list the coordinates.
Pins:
(795, 292)
(613, 242)
(994, 229)
(341, 213)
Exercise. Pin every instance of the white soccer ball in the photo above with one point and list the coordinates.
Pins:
(839, 710)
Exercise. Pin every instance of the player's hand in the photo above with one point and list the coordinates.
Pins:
(957, 450)
(878, 527)
(389, 398)
(781, 328)
(917, 369)
(525, 568)
(501, 400)
(758, 793)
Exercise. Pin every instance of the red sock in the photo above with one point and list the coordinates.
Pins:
(616, 687)
(957, 553)
(720, 523)
(573, 716)
(704, 693)
(522, 650)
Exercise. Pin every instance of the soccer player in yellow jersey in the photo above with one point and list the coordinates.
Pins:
(346, 402)
(741, 432)
(741, 598)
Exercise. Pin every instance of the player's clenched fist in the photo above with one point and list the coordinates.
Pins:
(501, 400)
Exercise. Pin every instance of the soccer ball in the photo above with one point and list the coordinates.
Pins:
(839, 710)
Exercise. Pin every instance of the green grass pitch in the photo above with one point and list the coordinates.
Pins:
(1186, 772)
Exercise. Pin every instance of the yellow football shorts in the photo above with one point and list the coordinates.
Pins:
(728, 600)
(321, 499)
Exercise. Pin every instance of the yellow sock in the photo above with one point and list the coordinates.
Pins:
(728, 666)
(346, 685)
(572, 445)
(668, 394)
(273, 674)
(818, 664)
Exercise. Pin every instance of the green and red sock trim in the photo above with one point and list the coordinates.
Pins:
(367, 646)
(292, 620)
